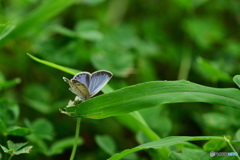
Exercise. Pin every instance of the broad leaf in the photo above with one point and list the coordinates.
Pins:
(151, 94)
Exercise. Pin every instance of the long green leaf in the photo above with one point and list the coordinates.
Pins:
(165, 142)
(53, 65)
(42, 13)
(151, 94)
(5, 29)
(72, 71)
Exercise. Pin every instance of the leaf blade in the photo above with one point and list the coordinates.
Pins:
(53, 65)
(165, 142)
(39, 16)
(151, 94)
(236, 79)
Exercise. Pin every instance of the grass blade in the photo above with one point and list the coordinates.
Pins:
(165, 142)
(151, 94)
(53, 65)
(45, 11)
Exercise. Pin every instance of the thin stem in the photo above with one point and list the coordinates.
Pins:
(230, 145)
(10, 157)
(76, 139)
(186, 61)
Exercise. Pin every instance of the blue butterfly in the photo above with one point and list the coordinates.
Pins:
(86, 85)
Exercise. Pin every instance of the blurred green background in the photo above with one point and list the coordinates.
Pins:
(138, 41)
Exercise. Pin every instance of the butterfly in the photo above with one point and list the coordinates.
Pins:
(85, 85)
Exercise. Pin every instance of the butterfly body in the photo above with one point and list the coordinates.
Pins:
(86, 85)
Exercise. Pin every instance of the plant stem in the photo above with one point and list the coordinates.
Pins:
(76, 139)
(230, 145)
(10, 157)
(185, 65)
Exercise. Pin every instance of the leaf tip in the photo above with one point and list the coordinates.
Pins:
(236, 79)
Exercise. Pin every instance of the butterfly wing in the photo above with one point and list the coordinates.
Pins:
(78, 88)
(98, 80)
(83, 77)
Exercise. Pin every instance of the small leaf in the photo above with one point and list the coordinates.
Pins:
(43, 129)
(9, 112)
(238, 134)
(8, 84)
(24, 150)
(209, 70)
(120, 66)
(218, 121)
(236, 79)
(40, 101)
(64, 31)
(214, 145)
(3, 128)
(5, 29)
(16, 148)
(88, 30)
(91, 35)
(6, 150)
(205, 31)
(38, 105)
(106, 143)
(59, 146)
(196, 154)
(155, 114)
(19, 131)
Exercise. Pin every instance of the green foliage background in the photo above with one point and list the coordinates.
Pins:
(138, 41)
